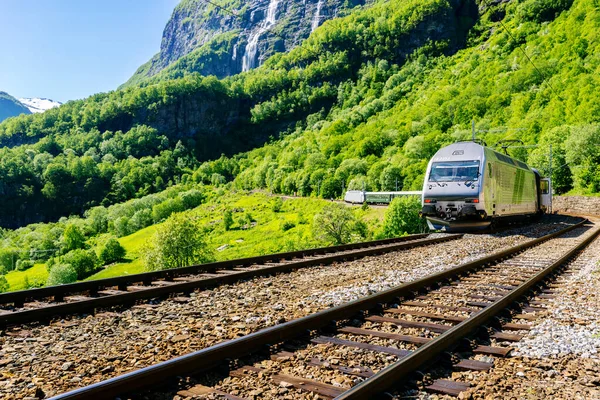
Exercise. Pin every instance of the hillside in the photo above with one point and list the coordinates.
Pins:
(128, 143)
(364, 101)
(10, 107)
(226, 37)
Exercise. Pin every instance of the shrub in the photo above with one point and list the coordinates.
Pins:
(73, 238)
(9, 257)
(337, 224)
(61, 274)
(402, 217)
(111, 252)
(3, 284)
(83, 262)
(141, 219)
(163, 210)
(192, 198)
(23, 265)
(227, 219)
(277, 204)
(287, 225)
(178, 242)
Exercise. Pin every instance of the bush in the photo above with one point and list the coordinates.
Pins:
(111, 252)
(3, 284)
(163, 210)
(73, 238)
(83, 262)
(227, 219)
(277, 204)
(178, 242)
(61, 274)
(8, 258)
(23, 265)
(287, 225)
(337, 224)
(192, 198)
(402, 217)
(141, 219)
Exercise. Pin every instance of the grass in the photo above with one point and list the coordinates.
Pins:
(17, 279)
(264, 236)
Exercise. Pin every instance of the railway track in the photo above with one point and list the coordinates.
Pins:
(377, 341)
(43, 304)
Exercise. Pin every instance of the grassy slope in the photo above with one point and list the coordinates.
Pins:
(265, 237)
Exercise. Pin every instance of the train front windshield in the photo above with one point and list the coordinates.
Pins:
(454, 171)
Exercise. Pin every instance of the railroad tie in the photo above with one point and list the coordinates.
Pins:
(360, 345)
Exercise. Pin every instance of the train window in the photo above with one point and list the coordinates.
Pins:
(544, 187)
(489, 170)
(454, 171)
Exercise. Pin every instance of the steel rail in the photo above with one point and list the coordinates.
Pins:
(94, 285)
(51, 310)
(235, 348)
(394, 373)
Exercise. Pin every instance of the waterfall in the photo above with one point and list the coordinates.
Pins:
(316, 21)
(249, 60)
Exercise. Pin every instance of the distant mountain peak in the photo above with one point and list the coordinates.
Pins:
(39, 104)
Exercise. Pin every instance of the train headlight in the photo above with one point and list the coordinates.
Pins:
(472, 201)
(430, 201)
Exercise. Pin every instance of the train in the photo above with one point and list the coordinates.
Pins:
(360, 197)
(469, 186)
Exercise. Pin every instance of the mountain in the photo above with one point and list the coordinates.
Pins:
(225, 37)
(11, 107)
(39, 105)
(364, 101)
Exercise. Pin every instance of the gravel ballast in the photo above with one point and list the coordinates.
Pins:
(48, 360)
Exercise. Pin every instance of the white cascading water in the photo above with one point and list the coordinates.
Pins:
(249, 60)
(316, 21)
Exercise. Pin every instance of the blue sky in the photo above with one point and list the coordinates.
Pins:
(71, 49)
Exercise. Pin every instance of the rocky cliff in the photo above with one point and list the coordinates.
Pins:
(225, 37)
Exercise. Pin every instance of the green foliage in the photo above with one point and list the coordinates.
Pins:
(338, 225)
(192, 198)
(23, 265)
(84, 262)
(163, 210)
(227, 219)
(61, 274)
(72, 238)
(111, 252)
(287, 225)
(277, 204)
(178, 242)
(8, 258)
(402, 217)
(3, 284)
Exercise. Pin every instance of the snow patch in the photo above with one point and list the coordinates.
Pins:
(39, 105)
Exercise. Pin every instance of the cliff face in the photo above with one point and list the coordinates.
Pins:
(226, 37)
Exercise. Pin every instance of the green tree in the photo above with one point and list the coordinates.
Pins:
(178, 242)
(337, 224)
(111, 252)
(84, 262)
(61, 274)
(72, 238)
(402, 217)
(227, 219)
